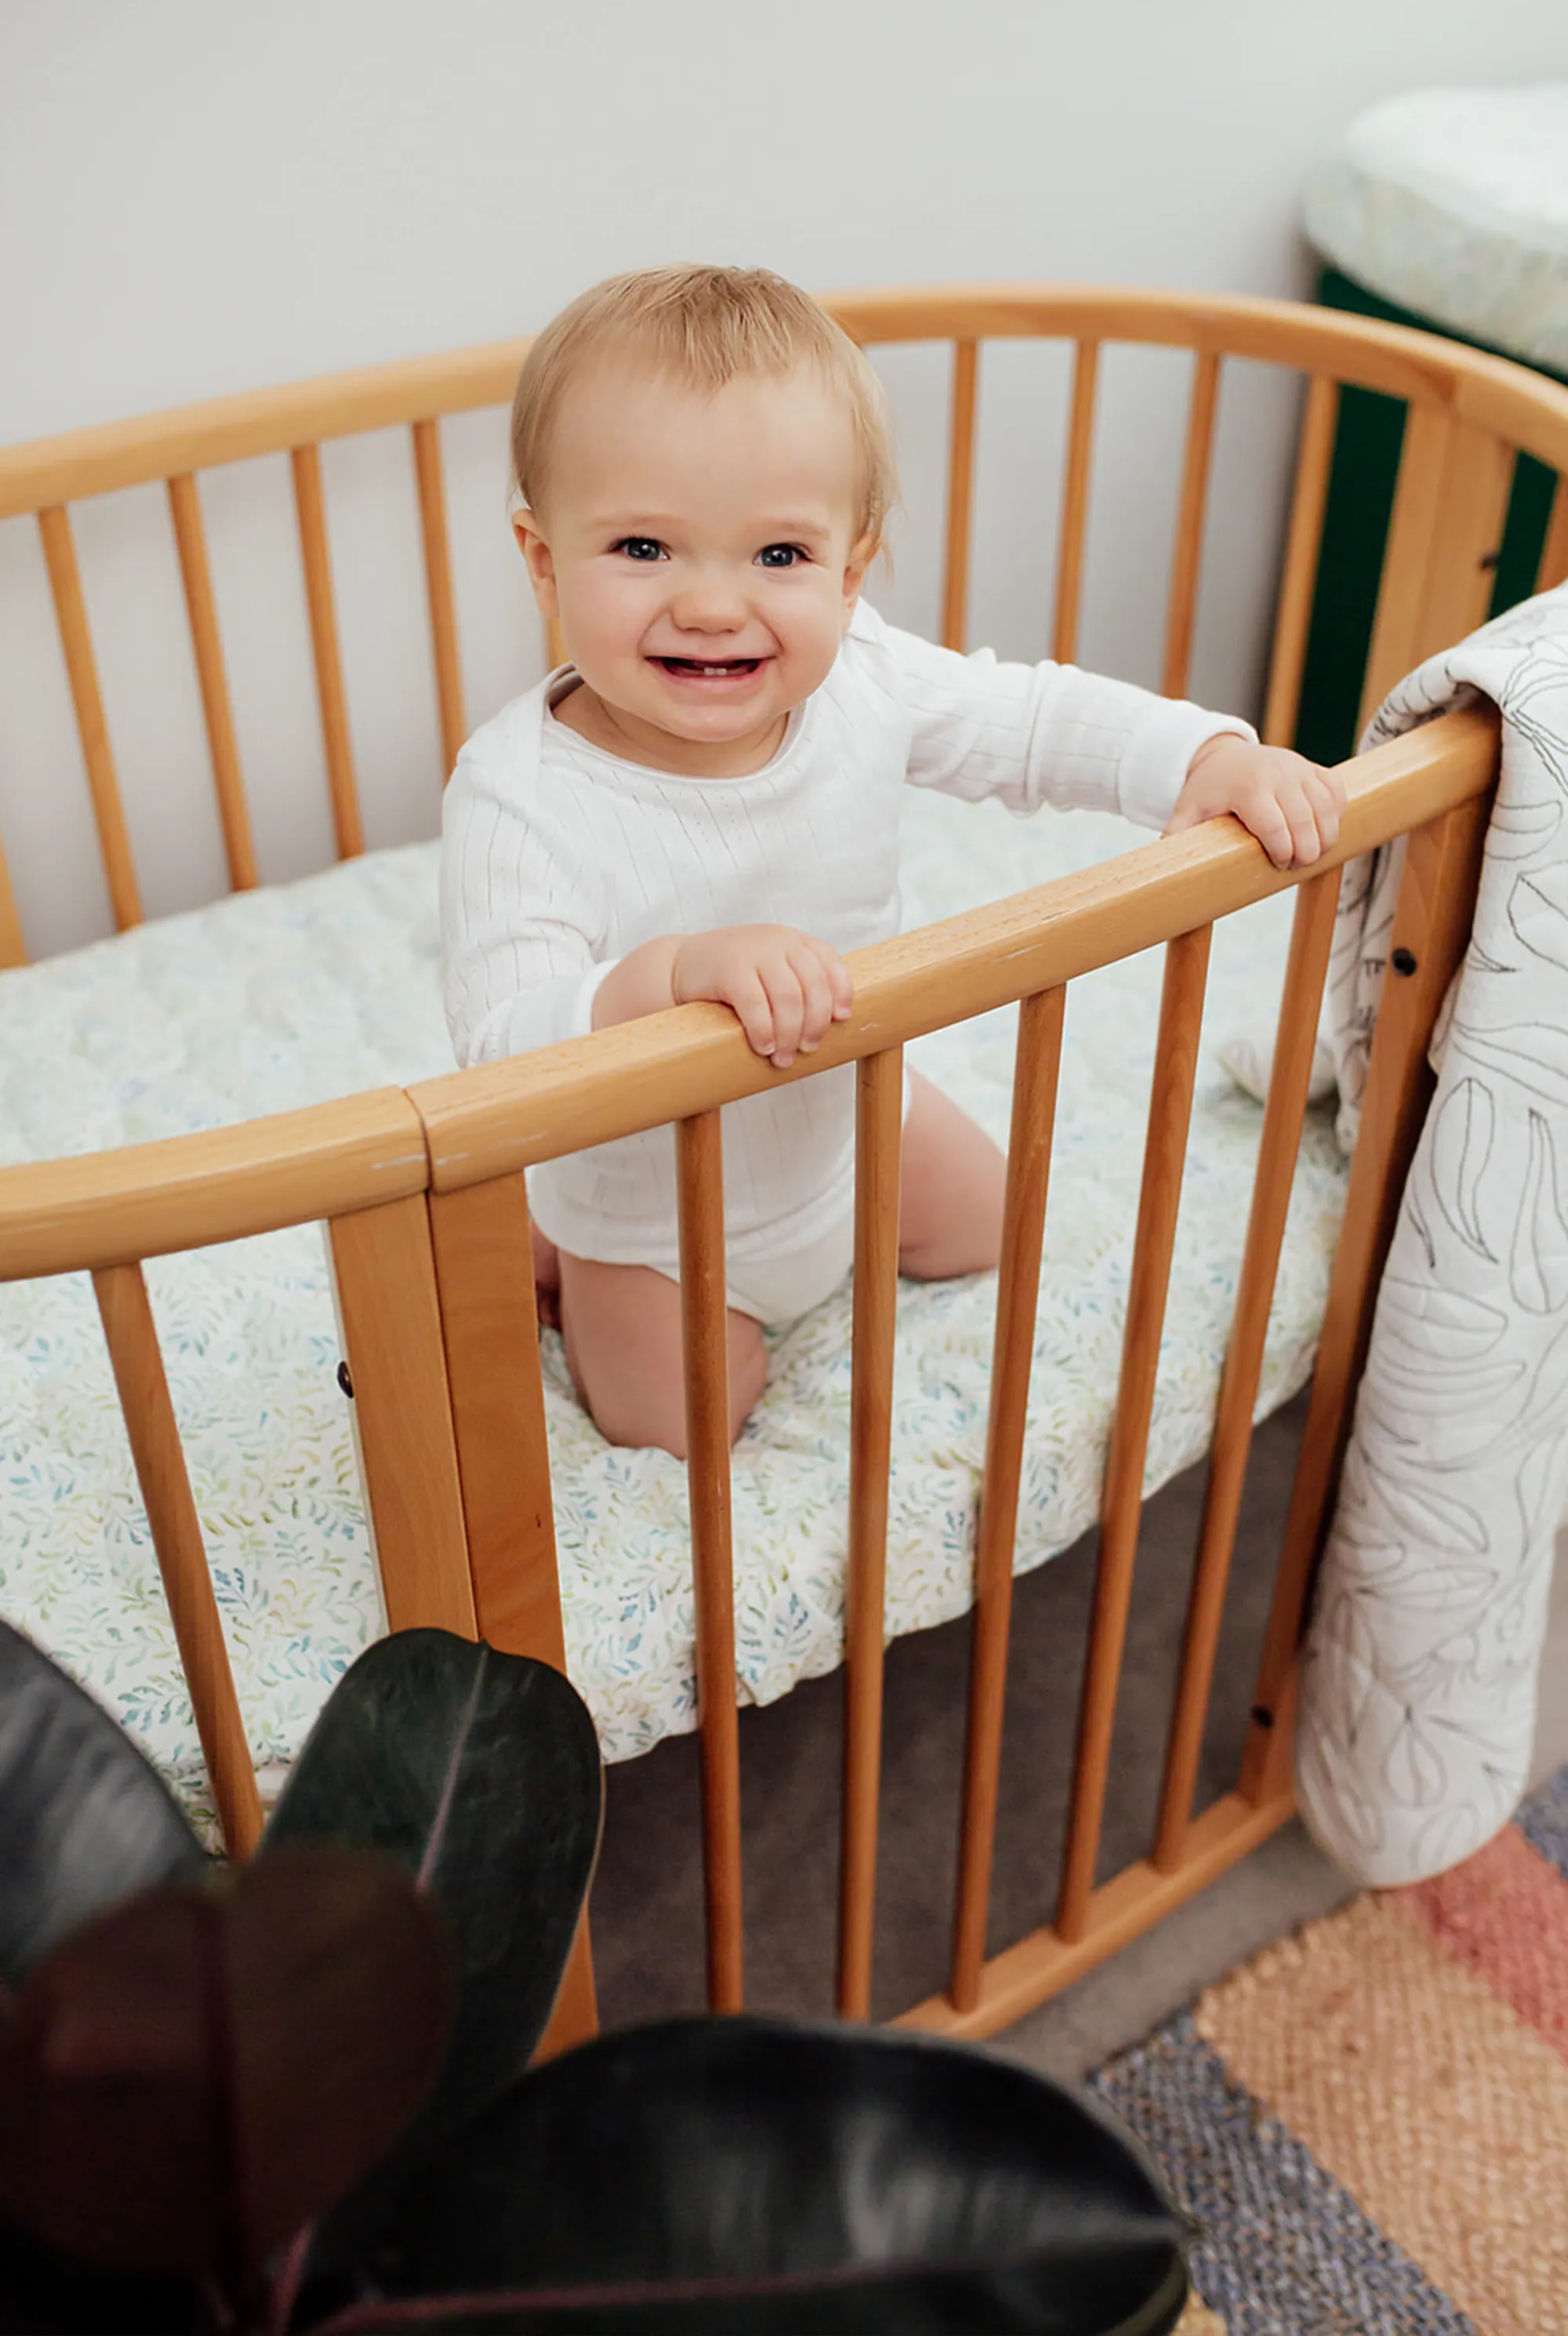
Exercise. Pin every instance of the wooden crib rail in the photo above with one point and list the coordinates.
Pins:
(493, 1120)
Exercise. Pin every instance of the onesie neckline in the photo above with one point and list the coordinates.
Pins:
(572, 741)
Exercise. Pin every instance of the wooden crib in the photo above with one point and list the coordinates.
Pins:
(423, 1193)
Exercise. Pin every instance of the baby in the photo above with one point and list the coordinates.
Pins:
(705, 801)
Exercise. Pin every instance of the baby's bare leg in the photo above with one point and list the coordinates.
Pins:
(546, 1279)
(622, 1329)
(953, 1182)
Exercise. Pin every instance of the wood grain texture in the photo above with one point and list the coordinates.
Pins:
(1186, 558)
(176, 1529)
(501, 1116)
(1431, 920)
(1553, 567)
(390, 1321)
(1449, 506)
(1284, 1115)
(92, 728)
(437, 548)
(705, 1340)
(310, 507)
(223, 1183)
(196, 575)
(1299, 577)
(1036, 1070)
(13, 941)
(961, 495)
(1077, 466)
(1159, 1198)
(879, 1132)
(484, 1284)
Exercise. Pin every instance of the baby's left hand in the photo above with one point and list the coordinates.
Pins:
(1290, 804)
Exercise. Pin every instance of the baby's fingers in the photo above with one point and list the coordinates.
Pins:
(746, 995)
(787, 998)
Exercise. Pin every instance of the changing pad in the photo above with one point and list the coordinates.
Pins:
(270, 999)
(1454, 202)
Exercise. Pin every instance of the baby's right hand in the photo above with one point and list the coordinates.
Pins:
(786, 986)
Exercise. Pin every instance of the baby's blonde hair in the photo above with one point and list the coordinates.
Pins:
(703, 325)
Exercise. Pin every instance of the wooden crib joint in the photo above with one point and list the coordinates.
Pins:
(92, 728)
(426, 436)
(705, 1343)
(1164, 1154)
(131, 1337)
(1183, 606)
(196, 575)
(960, 495)
(1299, 577)
(12, 943)
(879, 1131)
(1284, 1115)
(310, 507)
(1035, 1078)
(1077, 461)
(384, 1273)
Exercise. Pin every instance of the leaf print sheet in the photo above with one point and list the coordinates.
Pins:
(271, 1000)
(1418, 1704)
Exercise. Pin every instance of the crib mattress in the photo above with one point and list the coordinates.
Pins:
(1454, 202)
(276, 998)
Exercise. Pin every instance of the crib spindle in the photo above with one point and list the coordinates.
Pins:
(81, 666)
(1037, 1069)
(438, 586)
(12, 945)
(191, 540)
(878, 1129)
(131, 1337)
(1074, 503)
(960, 495)
(1283, 1117)
(1300, 575)
(705, 1340)
(1553, 567)
(1182, 611)
(310, 507)
(1164, 1152)
(1432, 921)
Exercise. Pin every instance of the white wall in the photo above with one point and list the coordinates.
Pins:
(198, 196)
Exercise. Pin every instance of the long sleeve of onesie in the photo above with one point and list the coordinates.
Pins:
(1041, 734)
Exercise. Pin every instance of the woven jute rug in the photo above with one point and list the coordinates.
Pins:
(1369, 2123)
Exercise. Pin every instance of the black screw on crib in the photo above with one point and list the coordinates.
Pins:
(1403, 962)
(345, 1380)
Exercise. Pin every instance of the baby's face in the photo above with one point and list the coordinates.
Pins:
(697, 554)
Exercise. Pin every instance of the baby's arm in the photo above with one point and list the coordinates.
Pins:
(1290, 805)
(785, 986)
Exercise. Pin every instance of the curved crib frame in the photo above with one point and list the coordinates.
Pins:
(423, 1193)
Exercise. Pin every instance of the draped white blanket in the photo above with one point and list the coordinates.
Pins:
(1419, 1691)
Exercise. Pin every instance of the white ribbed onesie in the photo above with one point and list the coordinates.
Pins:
(557, 859)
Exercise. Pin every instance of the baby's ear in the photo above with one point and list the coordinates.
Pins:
(536, 553)
(861, 556)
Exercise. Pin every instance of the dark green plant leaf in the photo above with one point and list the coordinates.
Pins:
(188, 2078)
(85, 1818)
(481, 1773)
(760, 2176)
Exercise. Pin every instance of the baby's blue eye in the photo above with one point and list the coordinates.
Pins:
(780, 555)
(641, 547)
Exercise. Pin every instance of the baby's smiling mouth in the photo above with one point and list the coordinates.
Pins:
(708, 669)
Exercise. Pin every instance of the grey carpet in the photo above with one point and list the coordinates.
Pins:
(647, 1906)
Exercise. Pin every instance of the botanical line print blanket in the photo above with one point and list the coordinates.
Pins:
(1419, 1690)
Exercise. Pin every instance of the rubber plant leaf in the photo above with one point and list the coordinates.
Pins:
(85, 1818)
(763, 2176)
(480, 1773)
(195, 2074)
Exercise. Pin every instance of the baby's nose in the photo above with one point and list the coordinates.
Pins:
(711, 600)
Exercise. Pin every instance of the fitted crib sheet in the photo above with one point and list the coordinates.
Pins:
(275, 998)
